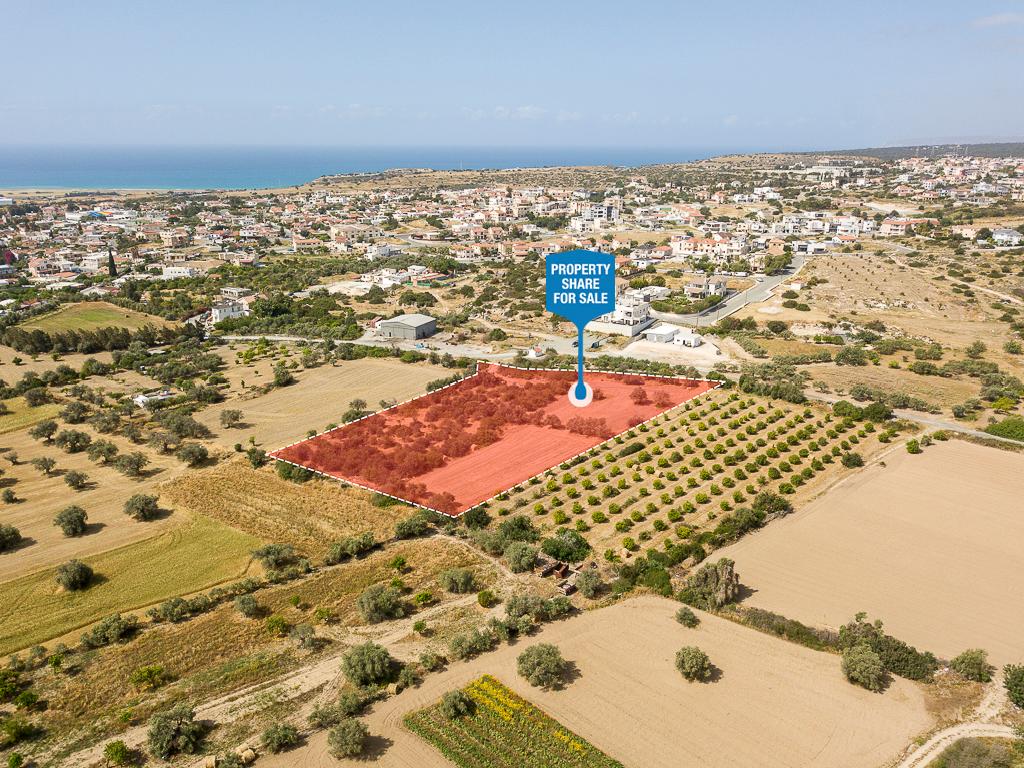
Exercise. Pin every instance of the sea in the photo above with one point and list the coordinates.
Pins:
(194, 167)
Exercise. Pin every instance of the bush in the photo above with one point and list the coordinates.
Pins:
(347, 738)
(712, 586)
(367, 664)
(230, 417)
(693, 664)
(74, 575)
(280, 737)
(118, 753)
(476, 518)
(687, 617)
(351, 546)
(589, 583)
(192, 454)
(852, 460)
(174, 732)
(379, 602)
(542, 665)
(567, 546)
(112, 629)
(520, 556)
(411, 527)
(863, 666)
(149, 677)
(71, 520)
(142, 507)
(1013, 681)
(10, 536)
(457, 580)
(973, 665)
(456, 704)
(76, 480)
(486, 598)
(897, 657)
(247, 606)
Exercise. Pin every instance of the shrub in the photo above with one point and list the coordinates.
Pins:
(351, 546)
(76, 480)
(174, 731)
(379, 602)
(247, 606)
(174, 609)
(542, 665)
(897, 657)
(687, 617)
(74, 575)
(10, 536)
(142, 507)
(367, 664)
(589, 583)
(973, 664)
(486, 598)
(476, 518)
(863, 666)
(567, 546)
(457, 580)
(693, 664)
(1013, 681)
(149, 677)
(276, 626)
(117, 753)
(456, 704)
(71, 520)
(347, 738)
(411, 527)
(230, 417)
(112, 629)
(852, 460)
(280, 737)
(192, 454)
(712, 586)
(520, 556)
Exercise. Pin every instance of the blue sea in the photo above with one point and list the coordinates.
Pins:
(80, 167)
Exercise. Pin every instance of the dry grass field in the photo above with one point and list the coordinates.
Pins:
(179, 561)
(20, 416)
(318, 398)
(927, 543)
(937, 390)
(90, 315)
(221, 651)
(311, 516)
(41, 497)
(631, 703)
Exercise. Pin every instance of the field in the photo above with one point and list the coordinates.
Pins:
(674, 479)
(320, 395)
(19, 415)
(309, 516)
(199, 554)
(629, 702)
(463, 444)
(504, 730)
(41, 496)
(221, 650)
(90, 315)
(927, 543)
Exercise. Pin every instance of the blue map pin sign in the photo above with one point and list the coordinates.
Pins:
(580, 286)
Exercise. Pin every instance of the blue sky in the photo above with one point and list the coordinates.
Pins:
(752, 75)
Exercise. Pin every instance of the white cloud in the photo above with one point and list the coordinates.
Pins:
(730, 120)
(566, 116)
(999, 20)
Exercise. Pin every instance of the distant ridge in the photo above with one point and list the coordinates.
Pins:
(994, 149)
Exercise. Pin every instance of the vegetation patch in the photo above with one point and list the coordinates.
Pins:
(498, 727)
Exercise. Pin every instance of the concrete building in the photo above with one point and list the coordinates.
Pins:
(632, 315)
(226, 310)
(413, 326)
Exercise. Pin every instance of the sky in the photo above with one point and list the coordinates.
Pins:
(742, 75)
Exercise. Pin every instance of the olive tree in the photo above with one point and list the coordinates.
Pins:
(456, 704)
(280, 737)
(142, 507)
(379, 602)
(520, 556)
(74, 575)
(174, 731)
(367, 664)
(347, 738)
(542, 665)
(863, 666)
(693, 664)
(71, 520)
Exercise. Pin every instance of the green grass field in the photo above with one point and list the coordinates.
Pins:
(185, 559)
(20, 415)
(90, 315)
(504, 730)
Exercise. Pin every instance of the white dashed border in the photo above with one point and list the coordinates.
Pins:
(571, 369)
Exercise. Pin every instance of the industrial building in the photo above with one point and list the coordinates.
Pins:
(413, 326)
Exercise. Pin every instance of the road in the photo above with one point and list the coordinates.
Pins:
(757, 292)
